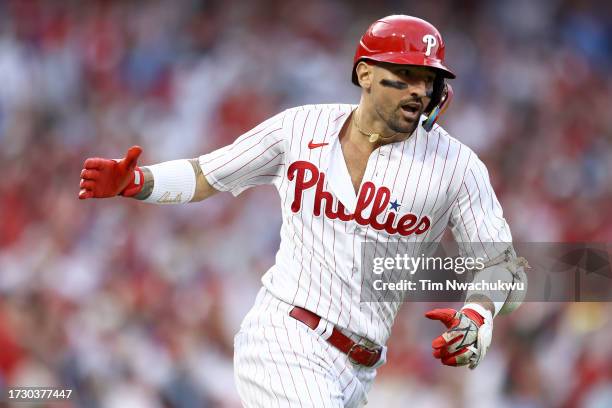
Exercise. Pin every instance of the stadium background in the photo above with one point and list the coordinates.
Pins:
(135, 305)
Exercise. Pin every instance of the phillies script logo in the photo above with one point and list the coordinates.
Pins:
(307, 176)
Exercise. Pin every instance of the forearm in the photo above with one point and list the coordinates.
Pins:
(177, 181)
(147, 186)
(508, 270)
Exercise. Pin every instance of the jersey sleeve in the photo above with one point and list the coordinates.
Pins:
(477, 221)
(255, 158)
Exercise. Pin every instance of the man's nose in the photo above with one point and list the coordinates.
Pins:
(418, 87)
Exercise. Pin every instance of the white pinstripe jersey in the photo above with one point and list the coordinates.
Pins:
(411, 191)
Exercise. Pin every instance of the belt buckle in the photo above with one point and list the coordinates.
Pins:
(373, 350)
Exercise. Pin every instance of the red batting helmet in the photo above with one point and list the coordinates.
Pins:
(409, 40)
(402, 40)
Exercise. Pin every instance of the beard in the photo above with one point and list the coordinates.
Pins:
(398, 122)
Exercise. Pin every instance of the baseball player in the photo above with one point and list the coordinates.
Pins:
(379, 171)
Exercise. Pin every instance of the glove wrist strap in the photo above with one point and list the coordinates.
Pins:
(135, 185)
(484, 315)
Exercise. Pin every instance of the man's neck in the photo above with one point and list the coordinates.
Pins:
(363, 129)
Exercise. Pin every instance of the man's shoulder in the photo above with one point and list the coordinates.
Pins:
(455, 147)
(444, 135)
(314, 112)
(331, 108)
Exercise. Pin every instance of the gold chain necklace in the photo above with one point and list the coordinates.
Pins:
(372, 137)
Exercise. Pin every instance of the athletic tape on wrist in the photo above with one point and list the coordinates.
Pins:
(493, 273)
(174, 182)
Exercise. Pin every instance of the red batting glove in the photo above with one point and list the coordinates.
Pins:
(459, 344)
(102, 178)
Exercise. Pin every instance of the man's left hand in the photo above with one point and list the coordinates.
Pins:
(467, 339)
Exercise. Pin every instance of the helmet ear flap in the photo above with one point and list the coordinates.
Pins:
(436, 95)
(441, 100)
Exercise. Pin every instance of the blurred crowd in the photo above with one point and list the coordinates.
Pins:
(134, 305)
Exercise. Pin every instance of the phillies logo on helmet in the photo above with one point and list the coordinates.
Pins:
(308, 176)
(402, 39)
(431, 42)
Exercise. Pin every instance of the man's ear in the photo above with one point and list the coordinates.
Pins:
(365, 73)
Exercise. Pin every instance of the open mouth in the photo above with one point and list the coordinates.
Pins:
(412, 107)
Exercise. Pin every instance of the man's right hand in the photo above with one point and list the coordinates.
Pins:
(102, 178)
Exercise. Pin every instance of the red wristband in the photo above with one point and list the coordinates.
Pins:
(135, 185)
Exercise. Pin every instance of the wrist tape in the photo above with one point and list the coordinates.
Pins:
(174, 182)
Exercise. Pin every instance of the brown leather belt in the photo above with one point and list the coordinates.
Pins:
(357, 353)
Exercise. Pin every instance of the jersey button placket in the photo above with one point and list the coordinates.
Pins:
(383, 152)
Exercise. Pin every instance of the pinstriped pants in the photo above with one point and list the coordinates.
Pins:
(280, 362)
